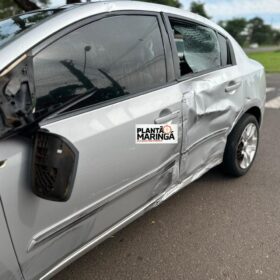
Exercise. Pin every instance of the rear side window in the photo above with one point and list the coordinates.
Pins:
(225, 53)
(197, 47)
(114, 57)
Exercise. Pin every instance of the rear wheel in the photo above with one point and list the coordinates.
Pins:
(241, 147)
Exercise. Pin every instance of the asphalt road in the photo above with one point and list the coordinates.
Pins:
(216, 228)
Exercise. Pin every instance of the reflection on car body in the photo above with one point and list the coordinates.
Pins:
(74, 85)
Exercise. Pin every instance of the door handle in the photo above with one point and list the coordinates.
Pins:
(3, 163)
(167, 118)
(232, 86)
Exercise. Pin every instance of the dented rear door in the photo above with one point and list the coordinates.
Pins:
(209, 111)
(211, 84)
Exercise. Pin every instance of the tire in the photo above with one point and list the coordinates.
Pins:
(239, 153)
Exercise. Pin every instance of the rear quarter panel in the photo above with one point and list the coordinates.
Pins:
(253, 86)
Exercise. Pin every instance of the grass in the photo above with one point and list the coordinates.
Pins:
(270, 60)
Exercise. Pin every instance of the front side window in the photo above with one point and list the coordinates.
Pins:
(197, 47)
(107, 59)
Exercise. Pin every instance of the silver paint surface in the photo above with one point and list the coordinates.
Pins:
(117, 180)
(9, 268)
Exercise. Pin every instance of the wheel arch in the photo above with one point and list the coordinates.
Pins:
(255, 111)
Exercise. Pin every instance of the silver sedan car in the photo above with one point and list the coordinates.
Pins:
(106, 110)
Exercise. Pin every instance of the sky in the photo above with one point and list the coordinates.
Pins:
(269, 10)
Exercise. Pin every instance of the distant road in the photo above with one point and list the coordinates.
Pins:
(262, 49)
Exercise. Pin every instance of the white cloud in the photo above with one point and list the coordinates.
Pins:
(237, 7)
(55, 3)
(233, 7)
(269, 10)
(277, 26)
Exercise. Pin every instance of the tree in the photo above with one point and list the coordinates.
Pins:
(198, 8)
(29, 5)
(276, 36)
(26, 5)
(260, 33)
(252, 31)
(237, 28)
(8, 8)
(172, 3)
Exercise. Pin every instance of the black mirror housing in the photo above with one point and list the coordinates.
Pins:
(54, 166)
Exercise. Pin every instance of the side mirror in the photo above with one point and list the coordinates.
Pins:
(54, 166)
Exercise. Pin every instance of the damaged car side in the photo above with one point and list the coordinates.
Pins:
(75, 83)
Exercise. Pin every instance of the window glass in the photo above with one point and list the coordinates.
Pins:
(112, 57)
(225, 55)
(197, 47)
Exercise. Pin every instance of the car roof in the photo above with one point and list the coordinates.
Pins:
(76, 12)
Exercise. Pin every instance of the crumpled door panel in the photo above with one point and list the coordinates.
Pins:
(208, 114)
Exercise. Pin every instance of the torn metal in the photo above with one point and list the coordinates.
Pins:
(17, 97)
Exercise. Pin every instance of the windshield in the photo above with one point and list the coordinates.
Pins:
(11, 27)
